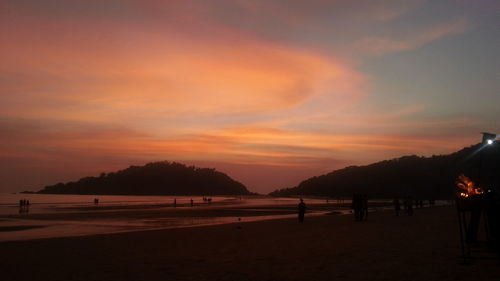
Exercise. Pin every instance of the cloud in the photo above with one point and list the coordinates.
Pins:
(67, 150)
(84, 89)
(243, 145)
(84, 78)
(88, 86)
(416, 39)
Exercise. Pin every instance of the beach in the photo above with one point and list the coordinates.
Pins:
(53, 216)
(329, 247)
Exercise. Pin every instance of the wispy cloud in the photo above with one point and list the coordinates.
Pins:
(169, 75)
(414, 39)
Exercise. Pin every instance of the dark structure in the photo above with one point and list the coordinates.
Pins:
(479, 205)
(478, 211)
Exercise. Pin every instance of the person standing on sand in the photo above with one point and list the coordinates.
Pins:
(397, 206)
(302, 210)
(364, 203)
(409, 206)
(357, 206)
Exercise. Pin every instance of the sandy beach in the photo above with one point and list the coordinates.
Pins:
(331, 247)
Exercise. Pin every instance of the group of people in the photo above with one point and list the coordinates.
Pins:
(359, 206)
(207, 200)
(24, 205)
(408, 204)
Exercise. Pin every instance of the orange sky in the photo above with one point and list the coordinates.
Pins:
(267, 91)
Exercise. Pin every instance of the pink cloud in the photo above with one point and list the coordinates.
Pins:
(79, 148)
(162, 73)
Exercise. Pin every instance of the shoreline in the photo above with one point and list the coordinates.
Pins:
(56, 225)
(92, 220)
(385, 247)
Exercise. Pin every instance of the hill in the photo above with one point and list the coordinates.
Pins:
(158, 178)
(423, 177)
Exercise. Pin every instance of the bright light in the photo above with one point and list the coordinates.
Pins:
(489, 141)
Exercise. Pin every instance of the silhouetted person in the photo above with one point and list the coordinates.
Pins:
(301, 210)
(192, 203)
(96, 201)
(364, 206)
(357, 206)
(397, 206)
(175, 202)
(409, 206)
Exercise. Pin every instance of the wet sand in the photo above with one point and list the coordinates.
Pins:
(17, 228)
(422, 247)
(63, 221)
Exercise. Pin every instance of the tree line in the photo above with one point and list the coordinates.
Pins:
(420, 177)
(157, 178)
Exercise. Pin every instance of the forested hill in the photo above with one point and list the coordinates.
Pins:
(423, 177)
(158, 178)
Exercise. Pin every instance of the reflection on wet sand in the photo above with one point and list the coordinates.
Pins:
(80, 219)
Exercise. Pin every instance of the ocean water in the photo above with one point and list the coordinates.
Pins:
(50, 216)
(43, 203)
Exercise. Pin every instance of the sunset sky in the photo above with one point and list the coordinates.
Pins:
(270, 92)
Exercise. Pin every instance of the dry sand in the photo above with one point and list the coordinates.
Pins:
(423, 247)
